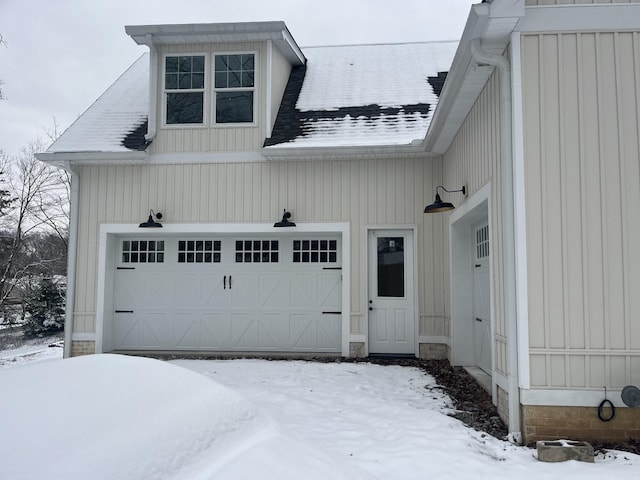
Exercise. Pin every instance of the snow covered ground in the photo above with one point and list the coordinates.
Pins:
(132, 418)
(31, 351)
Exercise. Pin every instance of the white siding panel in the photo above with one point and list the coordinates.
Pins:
(280, 77)
(582, 165)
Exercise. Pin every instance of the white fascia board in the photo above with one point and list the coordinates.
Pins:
(585, 17)
(290, 49)
(219, 33)
(95, 158)
(331, 153)
(569, 398)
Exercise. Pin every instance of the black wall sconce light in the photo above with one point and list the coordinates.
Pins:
(285, 220)
(438, 205)
(151, 223)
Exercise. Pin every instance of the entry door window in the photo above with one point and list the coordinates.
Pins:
(391, 267)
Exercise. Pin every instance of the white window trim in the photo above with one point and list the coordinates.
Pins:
(205, 90)
(254, 89)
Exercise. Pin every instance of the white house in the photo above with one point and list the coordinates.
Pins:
(235, 193)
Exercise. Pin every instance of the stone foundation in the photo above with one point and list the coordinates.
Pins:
(578, 423)
(434, 351)
(503, 405)
(82, 347)
(356, 350)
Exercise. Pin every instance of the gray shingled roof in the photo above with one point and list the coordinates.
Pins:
(354, 95)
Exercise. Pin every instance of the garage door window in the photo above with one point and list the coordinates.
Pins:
(315, 251)
(143, 251)
(257, 251)
(199, 251)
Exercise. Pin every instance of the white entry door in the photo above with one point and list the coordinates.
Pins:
(481, 299)
(391, 309)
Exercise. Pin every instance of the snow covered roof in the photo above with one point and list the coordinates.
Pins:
(117, 120)
(363, 95)
(353, 95)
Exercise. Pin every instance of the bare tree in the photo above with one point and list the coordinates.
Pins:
(39, 206)
(3, 42)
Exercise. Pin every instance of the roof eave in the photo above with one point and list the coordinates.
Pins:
(467, 78)
(173, 34)
(94, 158)
(344, 152)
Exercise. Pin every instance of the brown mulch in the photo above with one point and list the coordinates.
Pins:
(473, 404)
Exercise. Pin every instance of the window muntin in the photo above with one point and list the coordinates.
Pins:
(257, 251)
(482, 242)
(199, 251)
(142, 251)
(315, 251)
(184, 81)
(234, 85)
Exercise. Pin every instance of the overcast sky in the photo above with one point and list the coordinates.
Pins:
(62, 54)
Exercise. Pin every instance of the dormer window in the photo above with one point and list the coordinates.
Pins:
(234, 88)
(184, 82)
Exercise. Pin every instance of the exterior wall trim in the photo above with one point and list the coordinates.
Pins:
(569, 398)
(83, 337)
(571, 17)
(434, 339)
(110, 230)
(520, 212)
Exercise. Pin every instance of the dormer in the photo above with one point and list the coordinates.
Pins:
(215, 87)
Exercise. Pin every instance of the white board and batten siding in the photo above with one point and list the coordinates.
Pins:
(365, 193)
(582, 160)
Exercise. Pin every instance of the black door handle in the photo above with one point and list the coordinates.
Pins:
(224, 282)
(229, 282)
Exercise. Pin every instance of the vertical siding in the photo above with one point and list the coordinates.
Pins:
(213, 138)
(581, 110)
(361, 192)
(474, 159)
(280, 76)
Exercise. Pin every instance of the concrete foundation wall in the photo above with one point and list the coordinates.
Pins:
(578, 423)
(503, 405)
(434, 351)
(83, 347)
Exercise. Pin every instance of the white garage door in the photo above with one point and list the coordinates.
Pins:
(249, 293)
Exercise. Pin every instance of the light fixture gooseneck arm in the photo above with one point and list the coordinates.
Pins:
(463, 190)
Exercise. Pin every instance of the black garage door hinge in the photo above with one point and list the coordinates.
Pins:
(332, 268)
(124, 311)
(332, 313)
(125, 268)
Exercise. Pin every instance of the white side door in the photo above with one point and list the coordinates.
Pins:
(481, 299)
(391, 307)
